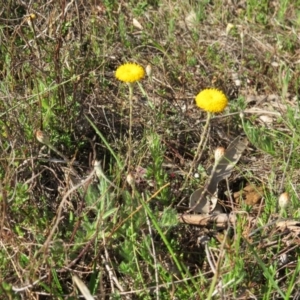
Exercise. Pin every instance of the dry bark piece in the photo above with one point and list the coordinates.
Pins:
(292, 225)
(219, 221)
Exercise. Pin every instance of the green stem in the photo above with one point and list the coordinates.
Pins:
(50, 146)
(130, 85)
(199, 151)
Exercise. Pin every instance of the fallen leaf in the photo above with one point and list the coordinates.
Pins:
(137, 24)
(251, 194)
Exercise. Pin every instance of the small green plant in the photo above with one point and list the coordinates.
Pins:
(283, 6)
(139, 8)
(155, 171)
(260, 137)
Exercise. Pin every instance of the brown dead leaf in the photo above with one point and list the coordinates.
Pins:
(251, 194)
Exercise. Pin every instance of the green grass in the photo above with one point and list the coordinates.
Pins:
(125, 241)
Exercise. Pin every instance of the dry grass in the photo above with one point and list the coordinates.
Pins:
(57, 75)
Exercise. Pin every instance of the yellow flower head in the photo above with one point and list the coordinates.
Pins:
(211, 100)
(130, 72)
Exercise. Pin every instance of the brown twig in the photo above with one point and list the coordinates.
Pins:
(219, 221)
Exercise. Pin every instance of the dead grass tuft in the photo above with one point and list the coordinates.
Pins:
(57, 68)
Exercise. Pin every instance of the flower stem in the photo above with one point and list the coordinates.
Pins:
(129, 154)
(44, 139)
(199, 151)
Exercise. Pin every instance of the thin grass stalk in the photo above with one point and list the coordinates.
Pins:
(199, 150)
(129, 154)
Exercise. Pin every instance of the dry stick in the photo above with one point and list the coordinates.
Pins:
(111, 273)
(29, 286)
(60, 208)
(219, 221)
(210, 262)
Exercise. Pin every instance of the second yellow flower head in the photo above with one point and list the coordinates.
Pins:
(212, 100)
(130, 72)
